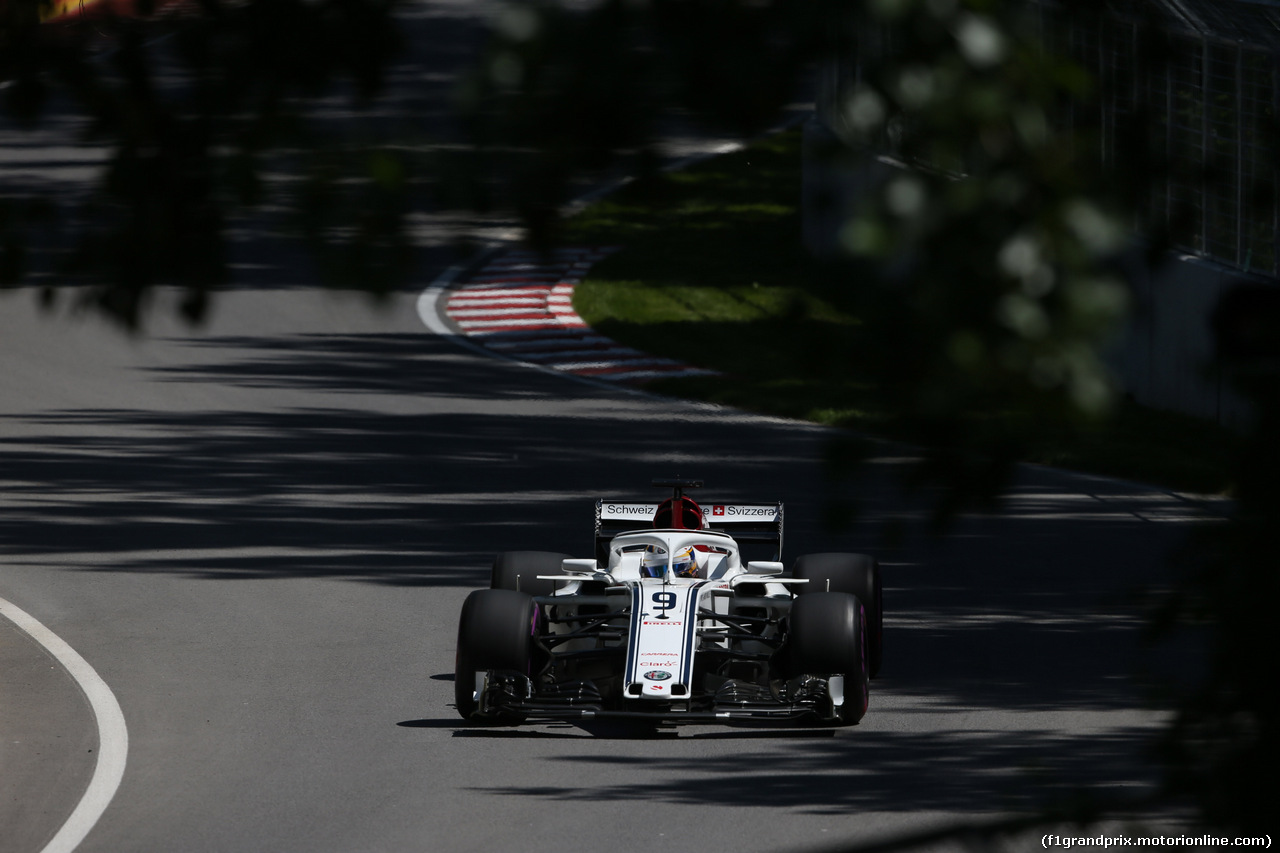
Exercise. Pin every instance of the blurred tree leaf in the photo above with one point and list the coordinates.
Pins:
(991, 267)
(189, 111)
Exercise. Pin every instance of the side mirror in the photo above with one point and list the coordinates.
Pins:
(578, 567)
(765, 567)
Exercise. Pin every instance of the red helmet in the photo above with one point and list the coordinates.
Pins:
(678, 514)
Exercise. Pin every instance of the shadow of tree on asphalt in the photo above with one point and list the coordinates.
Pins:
(1003, 628)
(872, 771)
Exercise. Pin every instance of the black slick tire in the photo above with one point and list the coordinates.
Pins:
(495, 633)
(857, 574)
(519, 570)
(828, 636)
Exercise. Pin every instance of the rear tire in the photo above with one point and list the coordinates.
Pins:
(857, 574)
(828, 636)
(495, 632)
(519, 570)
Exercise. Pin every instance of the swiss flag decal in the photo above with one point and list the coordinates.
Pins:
(717, 510)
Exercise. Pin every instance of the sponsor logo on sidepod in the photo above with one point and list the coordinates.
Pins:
(657, 675)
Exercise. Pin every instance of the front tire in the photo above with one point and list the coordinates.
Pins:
(495, 633)
(519, 570)
(857, 574)
(828, 636)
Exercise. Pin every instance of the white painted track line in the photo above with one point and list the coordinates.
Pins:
(113, 736)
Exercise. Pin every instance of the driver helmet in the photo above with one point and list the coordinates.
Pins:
(679, 514)
(654, 562)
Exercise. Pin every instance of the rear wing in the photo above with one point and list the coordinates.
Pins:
(744, 522)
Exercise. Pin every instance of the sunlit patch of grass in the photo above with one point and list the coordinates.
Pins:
(711, 272)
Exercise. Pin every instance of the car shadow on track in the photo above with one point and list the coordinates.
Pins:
(611, 730)
(623, 729)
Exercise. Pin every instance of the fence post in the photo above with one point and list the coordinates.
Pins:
(1240, 154)
(1205, 105)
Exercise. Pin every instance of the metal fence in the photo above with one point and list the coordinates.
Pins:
(1205, 75)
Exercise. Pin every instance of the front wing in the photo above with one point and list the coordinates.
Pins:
(669, 653)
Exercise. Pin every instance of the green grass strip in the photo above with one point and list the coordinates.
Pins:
(712, 273)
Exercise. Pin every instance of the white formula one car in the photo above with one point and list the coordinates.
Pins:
(671, 623)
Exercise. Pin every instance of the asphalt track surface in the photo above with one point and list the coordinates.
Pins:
(259, 534)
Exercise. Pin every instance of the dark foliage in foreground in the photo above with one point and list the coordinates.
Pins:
(192, 107)
(992, 272)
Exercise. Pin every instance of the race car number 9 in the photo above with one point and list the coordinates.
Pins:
(665, 600)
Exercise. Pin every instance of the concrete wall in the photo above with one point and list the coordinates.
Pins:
(1163, 356)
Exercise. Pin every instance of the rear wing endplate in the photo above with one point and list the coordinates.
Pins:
(744, 522)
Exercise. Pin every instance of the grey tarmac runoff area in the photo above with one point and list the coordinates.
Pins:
(259, 534)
